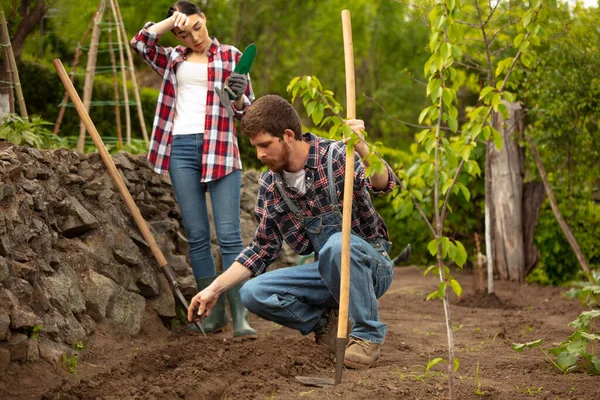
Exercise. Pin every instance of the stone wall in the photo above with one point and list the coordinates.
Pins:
(72, 257)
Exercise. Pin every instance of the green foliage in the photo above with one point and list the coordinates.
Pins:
(558, 263)
(35, 134)
(587, 293)
(577, 352)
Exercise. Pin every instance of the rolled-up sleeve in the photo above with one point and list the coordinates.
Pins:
(145, 43)
(267, 242)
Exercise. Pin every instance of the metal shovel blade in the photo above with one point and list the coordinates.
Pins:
(317, 382)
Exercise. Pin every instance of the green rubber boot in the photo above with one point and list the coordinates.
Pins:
(218, 320)
(239, 314)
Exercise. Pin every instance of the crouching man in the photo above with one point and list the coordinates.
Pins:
(300, 202)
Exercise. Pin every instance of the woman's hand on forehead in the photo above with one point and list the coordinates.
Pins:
(180, 20)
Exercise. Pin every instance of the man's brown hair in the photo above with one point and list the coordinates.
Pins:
(271, 114)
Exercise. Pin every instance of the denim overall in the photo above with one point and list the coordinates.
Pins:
(300, 297)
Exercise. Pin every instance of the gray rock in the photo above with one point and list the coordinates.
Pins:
(71, 179)
(52, 351)
(5, 246)
(23, 318)
(88, 324)
(97, 290)
(33, 352)
(6, 190)
(4, 271)
(52, 320)
(75, 219)
(18, 345)
(4, 359)
(127, 309)
(121, 161)
(146, 282)
(4, 327)
(71, 332)
(30, 187)
(62, 289)
(164, 302)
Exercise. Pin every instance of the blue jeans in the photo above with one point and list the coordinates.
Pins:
(185, 169)
(300, 297)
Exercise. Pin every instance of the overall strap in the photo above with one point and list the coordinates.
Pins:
(331, 182)
(288, 201)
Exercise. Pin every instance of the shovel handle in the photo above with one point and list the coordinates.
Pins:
(349, 179)
(110, 165)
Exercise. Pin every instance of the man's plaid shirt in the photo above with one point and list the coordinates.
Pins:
(276, 222)
(220, 153)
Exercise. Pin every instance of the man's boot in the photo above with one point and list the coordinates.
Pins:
(239, 314)
(327, 336)
(218, 320)
(361, 354)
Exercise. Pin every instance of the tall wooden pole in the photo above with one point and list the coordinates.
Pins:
(136, 91)
(61, 112)
(89, 74)
(347, 205)
(13, 64)
(113, 63)
(123, 74)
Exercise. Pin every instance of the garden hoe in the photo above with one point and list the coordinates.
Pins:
(342, 339)
(114, 174)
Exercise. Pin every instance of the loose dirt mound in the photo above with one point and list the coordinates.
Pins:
(163, 364)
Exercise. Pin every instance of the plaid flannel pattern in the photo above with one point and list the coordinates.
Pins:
(220, 152)
(277, 223)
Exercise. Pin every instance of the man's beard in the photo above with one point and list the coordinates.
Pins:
(282, 163)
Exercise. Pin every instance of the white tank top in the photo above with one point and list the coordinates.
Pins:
(190, 107)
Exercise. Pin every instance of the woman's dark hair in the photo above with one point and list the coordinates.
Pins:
(185, 7)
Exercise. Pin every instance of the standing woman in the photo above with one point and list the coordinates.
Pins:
(194, 140)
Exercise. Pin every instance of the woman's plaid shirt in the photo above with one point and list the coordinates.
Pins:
(220, 153)
(277, 223)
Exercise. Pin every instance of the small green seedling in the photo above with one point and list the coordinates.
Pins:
(478, 390)
(573, 353)
(529, 390)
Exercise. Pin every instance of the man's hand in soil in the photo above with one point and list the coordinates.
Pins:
(203, 302)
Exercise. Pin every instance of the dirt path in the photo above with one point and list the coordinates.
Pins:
(162, 364)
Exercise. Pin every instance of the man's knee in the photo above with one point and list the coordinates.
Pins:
(333, 247)
(248, 294)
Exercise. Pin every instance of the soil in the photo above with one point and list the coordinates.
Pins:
(165, 364)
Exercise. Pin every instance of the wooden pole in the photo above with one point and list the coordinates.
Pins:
(10, 83)
(13, 64)
(61, 112)
(90, 71)
(123, 75)
(136, 91)
(561, 221)
(113, 62)
(347, 205)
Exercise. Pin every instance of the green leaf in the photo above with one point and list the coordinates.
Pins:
(432, 247)
(417, 194)
(423, 115)
(422, 135)
(456, 287)
(485, 91)
(503, 110)
(431, 296)
(456, 364)
(445, 246)
(447, 96)
(292, 84)
(431, 268)
(596, 363)
(310, 107)
(433, 363)
(496, 100)
(441, 290)
(498, 141)
(465, 191)
(318, 114)
(518, 39)
(462, 253)
(565, 360)
(466, 152)
(518, 347)
(446, 186)
(452, 123)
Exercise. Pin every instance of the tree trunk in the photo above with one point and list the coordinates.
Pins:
(506, 171)
(533, 198)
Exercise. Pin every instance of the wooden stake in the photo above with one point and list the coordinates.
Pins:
(136, 91)
(113, 62)
(123, 75)
(89, 74)
(61, 112)
(347, 205)
(13, 63)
